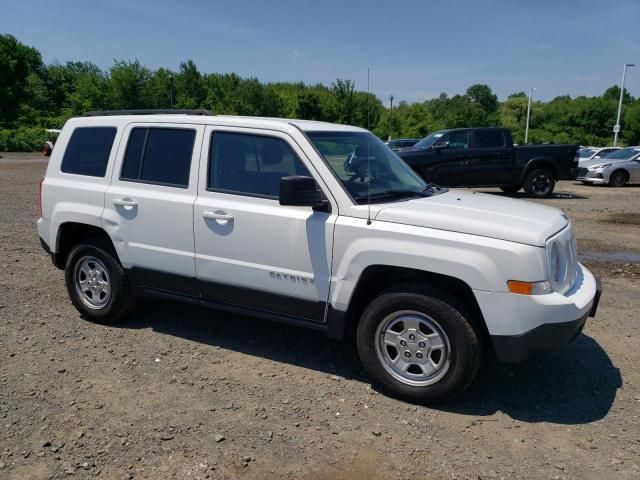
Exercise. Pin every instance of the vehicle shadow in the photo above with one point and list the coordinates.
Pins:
(577, 385)
(249, 335)
(574, 386)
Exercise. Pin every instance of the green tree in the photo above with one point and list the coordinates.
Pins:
(18, 64)
(129, 85)
(189, 86)
(344, 93)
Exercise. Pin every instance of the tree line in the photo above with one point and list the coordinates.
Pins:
(35, 96)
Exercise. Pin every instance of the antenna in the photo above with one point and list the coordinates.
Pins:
(368, 156)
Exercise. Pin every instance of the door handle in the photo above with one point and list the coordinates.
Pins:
(217, 215)
(125, 202)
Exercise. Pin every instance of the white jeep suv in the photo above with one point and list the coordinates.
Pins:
(313, 224)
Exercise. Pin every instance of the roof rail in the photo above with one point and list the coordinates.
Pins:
(149, 111)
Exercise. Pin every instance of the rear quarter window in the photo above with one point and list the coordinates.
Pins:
(88, 151)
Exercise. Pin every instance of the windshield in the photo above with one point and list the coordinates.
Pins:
(429, 140)
(586, 152)
(624, 154)
(358, 158)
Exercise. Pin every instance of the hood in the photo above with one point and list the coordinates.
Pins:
(598, 161)
(479, 214)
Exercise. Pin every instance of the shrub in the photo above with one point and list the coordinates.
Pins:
(23, 139)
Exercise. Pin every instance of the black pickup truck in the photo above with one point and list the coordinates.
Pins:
(486, 157)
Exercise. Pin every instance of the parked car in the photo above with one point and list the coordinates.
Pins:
(616, 169)
(592, 153)
(486, 157)
(259, 216)
(399, 143)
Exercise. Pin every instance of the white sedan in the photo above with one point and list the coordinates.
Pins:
(616, 169)
(593, 153)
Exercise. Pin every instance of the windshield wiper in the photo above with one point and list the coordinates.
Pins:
(395, 194)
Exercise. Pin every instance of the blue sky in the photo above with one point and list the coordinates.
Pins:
(415, 49)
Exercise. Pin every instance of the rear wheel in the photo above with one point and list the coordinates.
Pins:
(619, 178)
(418, 344)
(539, 183)
(97, 284)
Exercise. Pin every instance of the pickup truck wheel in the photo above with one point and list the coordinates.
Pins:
(97, 284)
(539, 183)
(418, 344)
(618, 178)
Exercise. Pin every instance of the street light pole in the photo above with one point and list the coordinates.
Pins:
(526, 129)
(616, 127)
(390, 116)
(171, 91)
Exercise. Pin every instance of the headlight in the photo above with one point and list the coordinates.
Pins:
(556, 272)
(562, 260)
(600, 167)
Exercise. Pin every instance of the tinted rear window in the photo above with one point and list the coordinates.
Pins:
(88, 151)
(489, 139)
(159, 155)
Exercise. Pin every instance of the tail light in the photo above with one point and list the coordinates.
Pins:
(40, 197)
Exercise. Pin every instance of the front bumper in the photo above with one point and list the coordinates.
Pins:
(520, 325)
(550, 336)
(585, 175)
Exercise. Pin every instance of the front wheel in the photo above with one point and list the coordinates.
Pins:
(418, 344)
(539, 183)
(618, 178)
(97, 284)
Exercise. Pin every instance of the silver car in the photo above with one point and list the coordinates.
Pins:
(616, 169)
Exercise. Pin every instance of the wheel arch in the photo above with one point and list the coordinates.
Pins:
(71, 233)
(540, 162)
(376, 278)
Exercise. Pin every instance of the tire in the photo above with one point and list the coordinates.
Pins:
(442, 334)
(619, 178)
(539, 183)
(97, 284)
(511, 188)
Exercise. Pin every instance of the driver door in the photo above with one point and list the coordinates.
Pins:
(452, 169)
(250, 250)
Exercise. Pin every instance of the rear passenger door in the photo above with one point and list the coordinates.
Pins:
(149, 204)
(250, 250)
(489, 161)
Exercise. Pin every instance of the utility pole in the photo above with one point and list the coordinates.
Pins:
(390, 116)
(616, 127)
(526, 130)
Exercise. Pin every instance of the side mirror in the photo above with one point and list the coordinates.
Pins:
(300, 191)
(440, 146)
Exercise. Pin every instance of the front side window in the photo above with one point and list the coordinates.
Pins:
(456, 140)
(489, 139)
(365, 165)
(88, 151)
(159, 156)
(251, 164)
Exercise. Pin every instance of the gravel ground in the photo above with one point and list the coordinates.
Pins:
(182, 392)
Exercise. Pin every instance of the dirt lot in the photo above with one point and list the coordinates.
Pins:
(182, 392)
